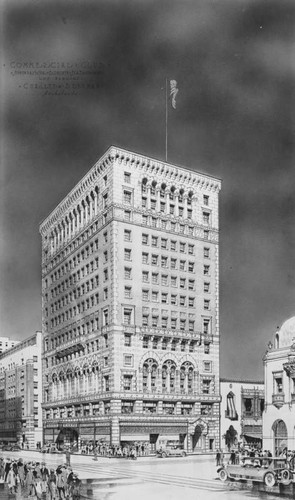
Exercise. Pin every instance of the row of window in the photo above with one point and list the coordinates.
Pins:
(166, 244)
(163, 224)
(165, 262)
(65, 300)
(172, 193)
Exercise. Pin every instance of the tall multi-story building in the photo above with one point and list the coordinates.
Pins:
(6, 343)
(130, 285)
(21, 393)
(241, 410)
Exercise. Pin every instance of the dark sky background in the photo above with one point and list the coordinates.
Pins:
(234, 61)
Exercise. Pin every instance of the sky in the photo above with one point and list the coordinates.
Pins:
(78, 76)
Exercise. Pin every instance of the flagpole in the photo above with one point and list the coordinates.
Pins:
(166, 121)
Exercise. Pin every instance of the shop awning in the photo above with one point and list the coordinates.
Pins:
(252, 436)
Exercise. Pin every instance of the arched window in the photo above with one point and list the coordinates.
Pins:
(186, 377)
(280, 434)
(277, 341)
(168, 376)
(149, 375)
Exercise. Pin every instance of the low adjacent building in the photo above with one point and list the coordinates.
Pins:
(6, 343)
(279, 369)
(21, 393)
(242, 405)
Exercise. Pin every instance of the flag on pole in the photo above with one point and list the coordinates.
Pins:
(173, 92)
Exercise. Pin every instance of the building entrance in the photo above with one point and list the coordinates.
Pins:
(67, 438)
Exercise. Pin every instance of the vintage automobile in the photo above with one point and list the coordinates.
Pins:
(173, 450)
(287, 475)
(265, 470)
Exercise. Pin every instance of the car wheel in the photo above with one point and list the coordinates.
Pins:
(269, 479)
(223, 475)
(164, 455)
(285, 477)
(183, 454)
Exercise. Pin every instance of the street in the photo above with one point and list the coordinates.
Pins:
(148, 477)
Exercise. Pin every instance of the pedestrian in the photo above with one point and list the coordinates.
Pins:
(52, 489)
(217, 458)
(11, 480)
(75, 487)
(44, 477)
(68, 457)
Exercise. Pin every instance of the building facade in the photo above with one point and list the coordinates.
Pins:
(279, 370)
(6, 343)
(241, 409)
(21, 393)
(130, 286)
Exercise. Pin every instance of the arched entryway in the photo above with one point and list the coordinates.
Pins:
(280, 436)
(67, 437)
(197, 431)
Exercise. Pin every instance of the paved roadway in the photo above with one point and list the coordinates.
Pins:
(146, 478)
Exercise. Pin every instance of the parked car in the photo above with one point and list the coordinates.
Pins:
(11, 447)
(175, 450)
(50, 449)
(260, 469)
(288, 473)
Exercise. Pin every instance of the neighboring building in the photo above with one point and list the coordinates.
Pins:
(20, 393)
(130, 286)
(242, 405)
(7, 343)
(279, 369)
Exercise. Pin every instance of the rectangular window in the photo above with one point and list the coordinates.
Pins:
(105, 294)
(105, 200)
(189, 213)
(173, 281)
(155, 259)
(164, 261)
(106, 383)
(164, 322)
(127, 235)
(128, 360)
(191, 249)
(171, 209)
(145, 276)
(143, 202)
(164, 298)
(182, 247)
(155, 320)
(173, 326)
(127, 177)
(206, 386)
(127, 273)
(127, 316)
(206, 252)
(206, 287)
(207, 366)
(173, 263)
(155, 296)
(164, 279)
(206, 326)
(144, 220)
(182, 282)
(182, 300)
(180, 211)
(191, 284)
(155, 278)
(191, 302)
(145, 239)
(145, 320)
(206, 304)
(127, 340)
(145, 294)
(127, 382)
(163, 225)
(191, 325)
(205, 200)
(206, 270)
(278, 384)
(153, 204)
(105, 274)
(127, 215)
(182, 323)
(145, 258)
(173, 245)
(163, 243)
(127, 292)
(154, 222)
(162, 206)
(174, 300)
(154, 241)
(127, 197)
(206, 234)
(182, 265)
(145, 342)
(127, 254)
(206, 217)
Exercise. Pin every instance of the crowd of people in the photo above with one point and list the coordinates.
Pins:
(34, 480)
(132, 450)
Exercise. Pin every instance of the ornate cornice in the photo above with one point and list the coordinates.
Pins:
(149, 167)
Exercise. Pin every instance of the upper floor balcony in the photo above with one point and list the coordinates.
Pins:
(278, 399)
